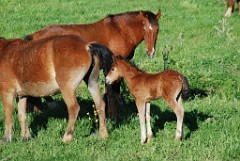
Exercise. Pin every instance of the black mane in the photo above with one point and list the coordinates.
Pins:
(151, 16)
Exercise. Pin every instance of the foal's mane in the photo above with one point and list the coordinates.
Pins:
(129, 62)
(149, 14)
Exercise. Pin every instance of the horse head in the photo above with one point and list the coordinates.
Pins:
(150, 30)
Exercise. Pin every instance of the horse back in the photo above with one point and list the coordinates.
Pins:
(164, 84)
(41, 66)
(105, 32)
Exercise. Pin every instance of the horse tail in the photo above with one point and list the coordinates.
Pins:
(105, 55)
(112, 92)
(185, 88)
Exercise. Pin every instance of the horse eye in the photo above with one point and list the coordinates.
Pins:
(112, 69)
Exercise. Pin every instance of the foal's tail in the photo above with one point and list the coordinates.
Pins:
(185, 89)
(105, 55)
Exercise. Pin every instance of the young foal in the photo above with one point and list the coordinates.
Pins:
(147, 87)
(44, 67)
(230, 7)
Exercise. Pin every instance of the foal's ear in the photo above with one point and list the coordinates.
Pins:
(158, 15)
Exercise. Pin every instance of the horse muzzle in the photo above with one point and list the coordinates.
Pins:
(150, 54)
(108, 80)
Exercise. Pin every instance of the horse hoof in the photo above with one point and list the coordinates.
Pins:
(103, 134)
(149, 139)
(178, 138)
(67, 138)
(143, 141)
(7, 138)
(26, 138)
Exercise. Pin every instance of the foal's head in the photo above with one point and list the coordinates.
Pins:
(114, 73)
(150, 30)
(121, 67)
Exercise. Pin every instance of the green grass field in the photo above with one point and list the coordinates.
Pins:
(202, 45)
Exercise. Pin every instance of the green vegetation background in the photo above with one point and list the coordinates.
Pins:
(202, 45)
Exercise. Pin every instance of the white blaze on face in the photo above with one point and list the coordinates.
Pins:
(150, 27)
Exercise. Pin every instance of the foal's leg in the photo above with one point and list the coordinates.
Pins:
(7, 101)
(22, 103)
(148, 117)
(179, 112)
(141, 106)
(73, 107)
(93, 86)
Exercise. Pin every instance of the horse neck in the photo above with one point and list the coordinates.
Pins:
(131, 28)
(128, 72)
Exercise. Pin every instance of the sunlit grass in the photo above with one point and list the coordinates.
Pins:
(210, 61)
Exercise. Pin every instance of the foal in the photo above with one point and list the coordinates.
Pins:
(147, 87)
(47, 66)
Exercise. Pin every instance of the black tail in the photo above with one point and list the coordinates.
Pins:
(185, 89)
(112, 92)
(105, 55)
(28, 38)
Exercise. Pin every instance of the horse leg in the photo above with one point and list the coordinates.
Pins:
(179, 112)
(148, 118)
(7, 101)
(25, 135)
(230, 8)
(73, 107)
(93, 87)
(112, 97)
(141, 106)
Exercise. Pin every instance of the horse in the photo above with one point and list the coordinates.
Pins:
(48, 66)
(230, 7)
(144, 87)
(121, 33)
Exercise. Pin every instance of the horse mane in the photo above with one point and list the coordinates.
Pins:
(130, 63)
(151, 16)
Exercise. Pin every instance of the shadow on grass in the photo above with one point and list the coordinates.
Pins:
(191, 119)
(126, 112)
(196, 92)
(40, 120)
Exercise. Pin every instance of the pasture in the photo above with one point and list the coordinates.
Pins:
(199, 42)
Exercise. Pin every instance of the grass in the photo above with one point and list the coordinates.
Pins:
(209, 58)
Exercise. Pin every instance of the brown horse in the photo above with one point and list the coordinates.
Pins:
(44, 67)
(121, 33)
(147, 87)
(230, 7)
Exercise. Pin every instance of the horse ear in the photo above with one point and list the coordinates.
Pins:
(158, 15)
(143, 14)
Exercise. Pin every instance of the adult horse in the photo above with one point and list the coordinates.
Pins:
(121, 33)
(44, 67)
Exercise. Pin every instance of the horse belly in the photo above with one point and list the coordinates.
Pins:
(38, 89)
